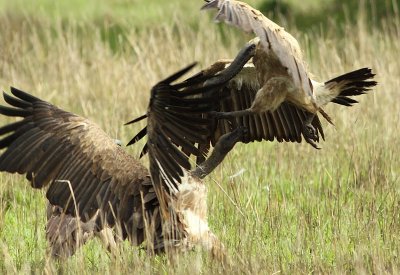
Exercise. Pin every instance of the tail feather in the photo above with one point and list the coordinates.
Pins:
(354, 83)
(360, 74)
(344, 100)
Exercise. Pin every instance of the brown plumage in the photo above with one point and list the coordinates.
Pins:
(283, 125)
(281, 71)
(66, 233)
(177, 120)
(62, 151)
(94, 185)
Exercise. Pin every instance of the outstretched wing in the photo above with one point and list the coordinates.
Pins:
(176, 123)
(272, 37)
(284, 124)
(86, 172)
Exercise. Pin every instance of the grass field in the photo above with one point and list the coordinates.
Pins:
(291, 209)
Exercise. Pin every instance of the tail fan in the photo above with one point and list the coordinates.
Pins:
(351, 84)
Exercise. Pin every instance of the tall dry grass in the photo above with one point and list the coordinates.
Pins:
(289, 208)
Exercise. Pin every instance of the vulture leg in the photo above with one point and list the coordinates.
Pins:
(230, 115)
(309, 132)
(268, 98)
(236, 66)
(221, 149)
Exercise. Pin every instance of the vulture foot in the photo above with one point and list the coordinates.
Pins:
(310, 134)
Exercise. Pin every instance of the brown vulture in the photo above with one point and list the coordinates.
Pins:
(94, 185)
(280, 74)
(65, 152)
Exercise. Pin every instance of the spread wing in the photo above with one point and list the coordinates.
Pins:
(67, 153)
(176, 122)
(272, 37)
(284, 124)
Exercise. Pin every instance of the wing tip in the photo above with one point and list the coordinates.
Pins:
(178, 74)
(210, 4)
(23, 95)
(136, 119)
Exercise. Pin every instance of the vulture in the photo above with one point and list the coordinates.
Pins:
(94, 186)
(278, 79)
(284, 124)
(92, 183)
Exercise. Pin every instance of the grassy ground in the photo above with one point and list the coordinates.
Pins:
(294, 209)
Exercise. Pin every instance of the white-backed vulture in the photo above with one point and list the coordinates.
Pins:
(94, 185)
(280, 72)
(64, 152)
(285, 123)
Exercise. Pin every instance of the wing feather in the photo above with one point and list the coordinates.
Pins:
(177, 130)
(176, 122)
(54, 147)
(294, 124)
(272, 37)
(278, 125)
(286, 131)
(87, 198)
(265, 132)
(283, 125)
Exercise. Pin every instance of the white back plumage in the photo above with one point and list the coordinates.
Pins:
(272, 37)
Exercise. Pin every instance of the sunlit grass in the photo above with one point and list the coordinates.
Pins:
(292, 209)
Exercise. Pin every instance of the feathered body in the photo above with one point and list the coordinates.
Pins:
(276, 84)
(280, 67)
(94, 186)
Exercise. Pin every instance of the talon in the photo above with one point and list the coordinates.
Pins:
(310, 135)
(312, 132)
(312, 143)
